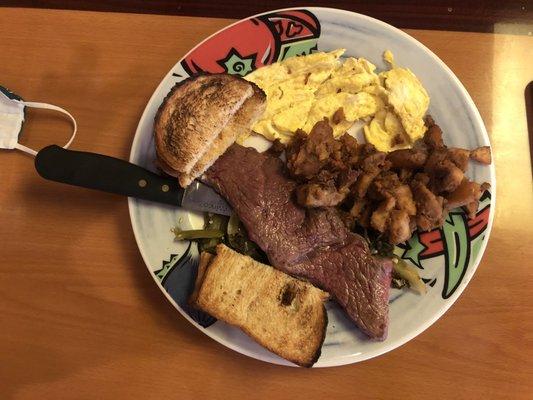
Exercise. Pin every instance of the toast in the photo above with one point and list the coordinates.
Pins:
(239, 125)
(283, 314)
(200, 118)
(205, 259)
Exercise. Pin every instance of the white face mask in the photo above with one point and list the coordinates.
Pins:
(12, 118)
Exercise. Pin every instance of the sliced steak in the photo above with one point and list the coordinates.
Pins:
(314, 245)
(359, 282)
(262, 196)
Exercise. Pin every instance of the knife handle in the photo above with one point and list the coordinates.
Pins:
(96, 171)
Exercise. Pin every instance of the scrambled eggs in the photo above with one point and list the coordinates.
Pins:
(304, 90)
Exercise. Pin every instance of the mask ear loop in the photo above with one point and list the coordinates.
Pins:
(48, 107)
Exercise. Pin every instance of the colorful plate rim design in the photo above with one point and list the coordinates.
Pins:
(465, 278)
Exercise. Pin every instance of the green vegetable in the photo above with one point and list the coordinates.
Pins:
(408, 273)
(403, 274)
(194, 234)
(237, 239)
(377, 245)
(215, 221)
(233, 225)
(220, 229)
(398, 283)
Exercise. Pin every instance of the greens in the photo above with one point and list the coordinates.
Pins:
(197, 234)
(230, 231)
(403, 274)
(409, 274)
(213, 222)
(378, 245)
(221, 229)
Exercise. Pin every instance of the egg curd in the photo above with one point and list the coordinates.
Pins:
(304, 90)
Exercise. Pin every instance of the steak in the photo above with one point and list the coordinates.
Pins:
(261, 195)
(358, 281)
(310, 244)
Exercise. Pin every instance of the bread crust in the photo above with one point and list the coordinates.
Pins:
(205, 259)
(192, 116)
(241, 123)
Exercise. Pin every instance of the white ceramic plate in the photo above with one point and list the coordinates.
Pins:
(447, 257)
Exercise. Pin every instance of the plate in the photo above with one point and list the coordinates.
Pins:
(447, 258)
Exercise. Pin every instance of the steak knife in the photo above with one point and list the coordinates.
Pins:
(108, 174)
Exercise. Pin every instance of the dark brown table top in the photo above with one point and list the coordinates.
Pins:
(512, 16)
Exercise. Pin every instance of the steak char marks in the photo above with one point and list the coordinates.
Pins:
(310, 244)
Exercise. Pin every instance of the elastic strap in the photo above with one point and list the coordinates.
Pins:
(48, 107)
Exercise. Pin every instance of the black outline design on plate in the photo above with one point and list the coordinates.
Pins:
(202, 318)
(234, 52)
(447, 261)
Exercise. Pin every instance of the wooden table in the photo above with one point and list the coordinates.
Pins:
(80, 316)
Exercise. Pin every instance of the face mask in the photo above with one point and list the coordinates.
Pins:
(12, 119)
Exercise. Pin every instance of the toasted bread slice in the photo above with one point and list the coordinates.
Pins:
(192, 116)
(205, 259)
(240, 124)
(167, 169)
(284, 314)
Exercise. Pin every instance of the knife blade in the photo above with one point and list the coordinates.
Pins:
(112, 175)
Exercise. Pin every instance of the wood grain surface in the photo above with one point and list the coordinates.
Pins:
(509, 16)
(82, 319)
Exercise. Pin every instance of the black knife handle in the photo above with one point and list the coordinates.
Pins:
(96, 171)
